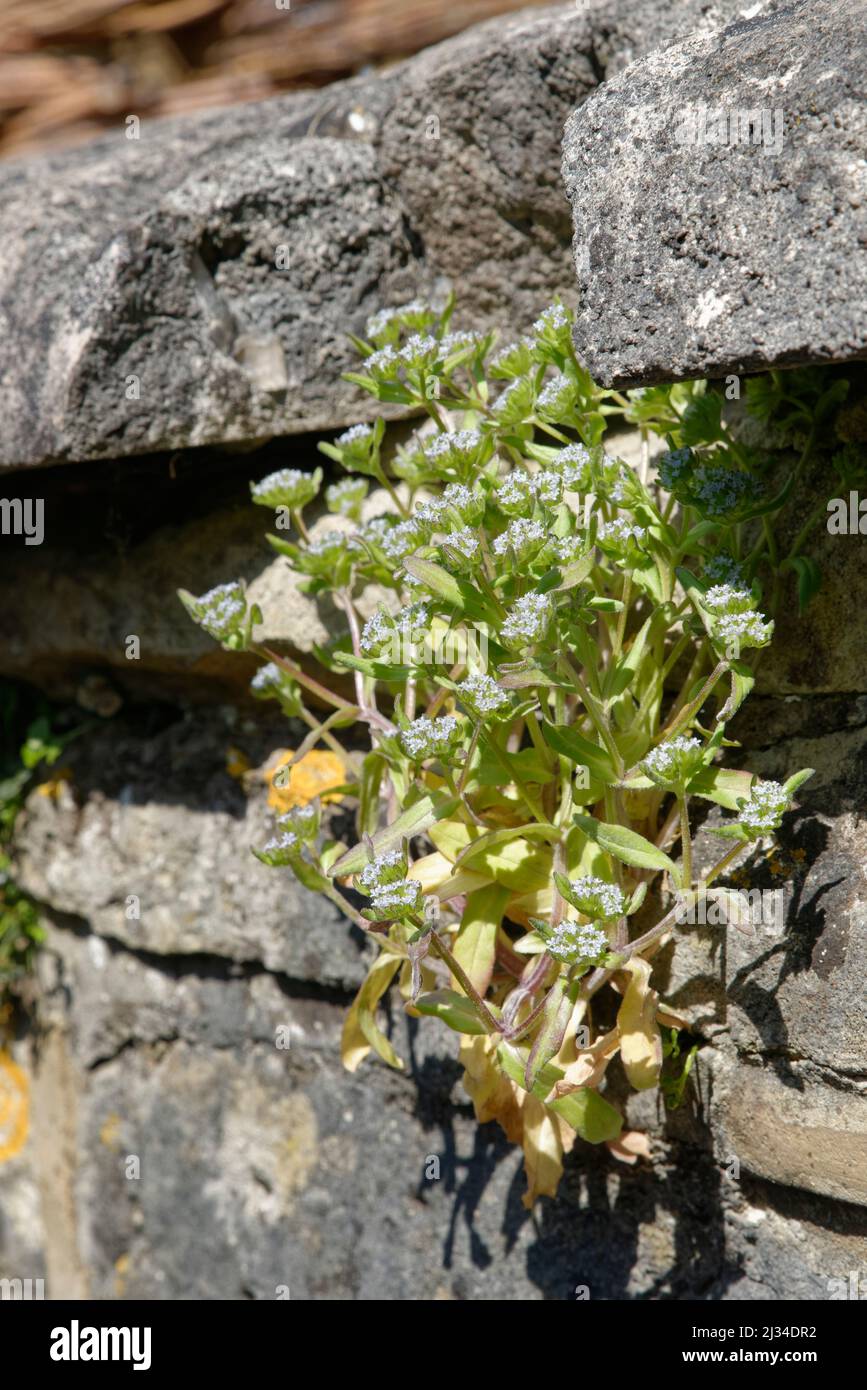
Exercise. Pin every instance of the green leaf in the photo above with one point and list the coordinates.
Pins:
(435, 578)
(620, 677)
(743, 681)
(476, 942)
(626, 845)
(372, 772)
(797, 779)
(454, 1009)
(721, 784)
(414, 821)
(590, 1115)
(556, 1013)
(379, 670)
(566, 740)
(809, 578)
(586, 1111)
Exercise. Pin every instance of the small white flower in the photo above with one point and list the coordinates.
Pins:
(267, 677)
(596, 898)
(765, 809)
(527, 620)
(558, 396)
(384, 869)
(744, 629)
(464, 541)
(221, 611)
(354, 435)
(397, 899)
(521, 536)
(675, 761)
(288, 487)
(725, 598)
(483, 695)
(618, 533)
(429, 738)
(572, 942)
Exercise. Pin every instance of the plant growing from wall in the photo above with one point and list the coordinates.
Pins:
(546, 683)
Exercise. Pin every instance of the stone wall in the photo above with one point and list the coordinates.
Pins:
(154, 1036)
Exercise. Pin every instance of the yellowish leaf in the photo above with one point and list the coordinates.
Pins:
(543, 1151)
(630, 1146)
(640, 1043)
(360, 1033)
(476, 942)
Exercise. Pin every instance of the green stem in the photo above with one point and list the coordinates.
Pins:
(492, 1025)
(685, 843)
(723, 863)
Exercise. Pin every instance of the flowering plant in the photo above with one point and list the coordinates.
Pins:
(546, 676)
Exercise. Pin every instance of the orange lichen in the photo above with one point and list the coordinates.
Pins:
(313, 775)
(14, 1107)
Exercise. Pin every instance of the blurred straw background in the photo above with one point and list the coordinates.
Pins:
(72, 68)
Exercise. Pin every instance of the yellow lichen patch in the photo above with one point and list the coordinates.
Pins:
(14, 1107)
(121, 1270)
(237, 763)
(52, 787)
(313, 775)
(109, 1135)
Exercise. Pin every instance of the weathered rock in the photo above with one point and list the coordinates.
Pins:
(195, 1158)
(735, 251)
(197, 284)
(793, 1132)
(162, 820)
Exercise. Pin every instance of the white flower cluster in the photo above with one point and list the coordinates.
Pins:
(573, 464)
(288, 487)
(744, 629)
(354, 435)
(551, 319)
(673, 466)
(267, 677)
(724, 569)
(573, 943)
(570, 548)
(676, 760)
(302, 821)
(391, 893)
(397, 899)
(327, 543)
(619, 533)
(384, 318)
(521, 536)
(381, 628)
(517, 399)
(513, 359)
(465, 541)
(596, 898)
(346, 496)
(384, 869)
(483, 694)
(429, 738)
(221, 610)
(558, 396)
(282, 849)
(765, 809)
(720, 489)
(449, 446)
(726, 598)
(457, 342)
(527, 620)
(520, 489)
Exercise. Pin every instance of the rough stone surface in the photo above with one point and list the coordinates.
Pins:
(686, 251)
(161, 818)
(142, 306)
